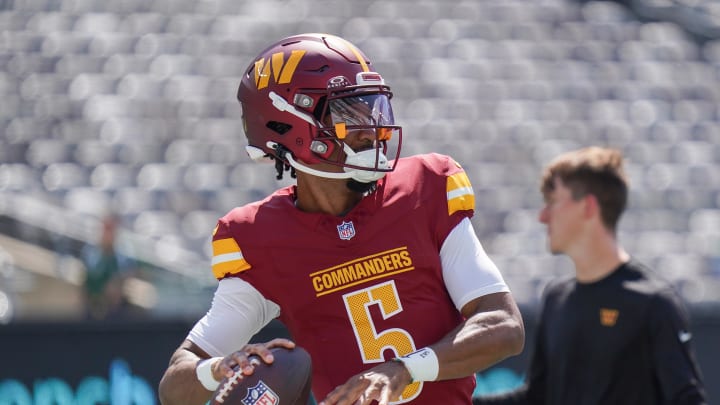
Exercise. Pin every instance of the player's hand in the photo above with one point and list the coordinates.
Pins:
(241, 358)
(383, 383)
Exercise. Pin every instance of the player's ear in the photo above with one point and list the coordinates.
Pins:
(592, 207)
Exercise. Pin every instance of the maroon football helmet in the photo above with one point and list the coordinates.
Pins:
(302, 96)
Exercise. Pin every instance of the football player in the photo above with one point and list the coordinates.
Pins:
(370, 260)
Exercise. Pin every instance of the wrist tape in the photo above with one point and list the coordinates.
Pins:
(205, 375)
(422, 364)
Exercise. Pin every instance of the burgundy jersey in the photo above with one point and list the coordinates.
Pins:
(362, 288)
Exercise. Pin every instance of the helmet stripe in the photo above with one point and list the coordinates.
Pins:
(357, 54)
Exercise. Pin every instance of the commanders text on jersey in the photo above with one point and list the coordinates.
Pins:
(367, 268)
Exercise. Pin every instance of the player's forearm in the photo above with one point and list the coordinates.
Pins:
(483, 340)
(480, 344)
(179, 385)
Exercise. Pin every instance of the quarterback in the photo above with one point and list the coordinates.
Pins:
(370, 260)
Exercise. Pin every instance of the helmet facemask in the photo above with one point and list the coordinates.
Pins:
(362, 112)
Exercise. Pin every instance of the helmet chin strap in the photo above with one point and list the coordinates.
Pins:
(364, 158)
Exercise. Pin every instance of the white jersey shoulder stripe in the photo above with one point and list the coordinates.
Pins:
(459, 192)
(227, 257)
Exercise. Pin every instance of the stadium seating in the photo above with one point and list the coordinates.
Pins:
(130, 106)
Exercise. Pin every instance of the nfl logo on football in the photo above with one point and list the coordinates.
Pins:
(346, 230)
(260, 394)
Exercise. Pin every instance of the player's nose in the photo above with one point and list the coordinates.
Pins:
(361, 139)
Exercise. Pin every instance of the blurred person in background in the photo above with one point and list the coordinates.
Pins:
(370, 261)
(106, 272)
(614, 333)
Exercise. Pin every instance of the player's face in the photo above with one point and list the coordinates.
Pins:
(360, 115)
(564, 217)
(355, 120)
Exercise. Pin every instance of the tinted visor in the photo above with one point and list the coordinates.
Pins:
(370, 110)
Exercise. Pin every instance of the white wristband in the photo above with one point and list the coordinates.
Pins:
(422, 364)
(205, 374)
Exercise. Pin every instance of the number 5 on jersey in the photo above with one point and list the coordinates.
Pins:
(371, 342)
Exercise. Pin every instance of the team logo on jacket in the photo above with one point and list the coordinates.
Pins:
(260, 394)
(346, 230)
(608, 317)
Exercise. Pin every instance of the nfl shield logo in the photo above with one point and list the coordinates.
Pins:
(346, 230)
(260, 394)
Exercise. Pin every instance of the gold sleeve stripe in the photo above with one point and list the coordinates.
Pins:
(460, 194)
(227, 258)
(229, 263)
(223, 269)
(222, 246)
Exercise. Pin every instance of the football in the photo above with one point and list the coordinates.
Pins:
(284, 382)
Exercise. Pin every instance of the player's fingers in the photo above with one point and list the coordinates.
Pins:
(263, 350)
(227, 365)
(249, 356)
(281, 342)
(375, 391)
(385, 396)
(343, 395)
(246, 358)
(266, 354)
(333, 397)
(366, 399)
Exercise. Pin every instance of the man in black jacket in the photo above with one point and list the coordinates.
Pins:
(615, 333)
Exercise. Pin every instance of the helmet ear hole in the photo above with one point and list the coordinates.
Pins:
(279, 127)
(319, 147)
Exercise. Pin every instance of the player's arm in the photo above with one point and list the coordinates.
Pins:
(181, 383)
(676, 368)
(237, 313)
(532, 392)
(493, 329)
(492, 332)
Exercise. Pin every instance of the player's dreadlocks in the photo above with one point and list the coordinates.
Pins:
(281, 167)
